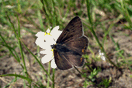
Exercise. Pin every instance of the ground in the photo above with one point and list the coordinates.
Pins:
(120, 78)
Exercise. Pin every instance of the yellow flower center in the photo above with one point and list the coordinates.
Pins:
(47, 33)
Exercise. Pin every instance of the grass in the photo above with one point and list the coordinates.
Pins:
(101, 16)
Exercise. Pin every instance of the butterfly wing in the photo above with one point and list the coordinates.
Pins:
(71, 44)
(61, 61)
(71, 55)
(79, 47)
(72, 30)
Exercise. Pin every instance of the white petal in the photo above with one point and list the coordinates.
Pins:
(46, 58)
(57, 35)
(55, 32)
(100, 53)
(40, 40)
(49, 39)
(42, 44)
(103, 58)
(40, 34)
(44, 41)
(49, 52)
(54, 29)
(48, 48)
(53, 64)
(48, 30)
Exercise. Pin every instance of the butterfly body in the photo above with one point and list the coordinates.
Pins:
(70, 46)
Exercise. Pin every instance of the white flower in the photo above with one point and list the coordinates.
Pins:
(101, 55)
(45, 40)
(9, 6)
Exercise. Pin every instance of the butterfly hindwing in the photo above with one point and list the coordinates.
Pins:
(70, 54)
(61, 61)
(79, 45)
(66, 58)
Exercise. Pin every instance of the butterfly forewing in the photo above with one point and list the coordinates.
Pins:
(72, 30)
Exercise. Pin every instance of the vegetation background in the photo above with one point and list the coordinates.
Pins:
(107, 24)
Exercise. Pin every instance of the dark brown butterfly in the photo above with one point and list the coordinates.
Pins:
(70, 45)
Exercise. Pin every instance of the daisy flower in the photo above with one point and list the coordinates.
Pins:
(45, 40)
(101, 55)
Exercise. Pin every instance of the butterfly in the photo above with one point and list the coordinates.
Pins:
(70, 46)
